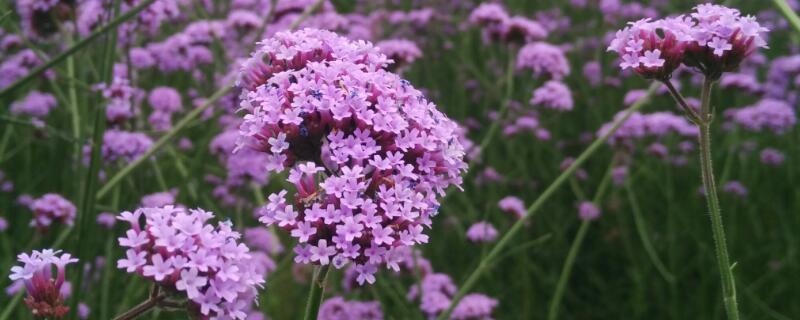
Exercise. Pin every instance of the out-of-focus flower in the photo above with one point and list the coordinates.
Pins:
(337, 308)
(35, 104)
(588, 211)
(514, 205)
(772, 157)
(437, 290)
(553, 95)
(178, 250)
(543, 59)
(774, 115)
(482, 232)
(51, 208)
(121, 145)
(45, 298)
(735, 188)
(402, 51)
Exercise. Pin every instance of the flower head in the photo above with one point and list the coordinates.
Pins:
(45, 298)
(51, 208)
(179, 250)
(653, 49)
(365, 151)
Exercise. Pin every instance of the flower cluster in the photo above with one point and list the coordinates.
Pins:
(553, 95)
(367, 153)
(45, 298)
(35, 104)
(588, 211)
(543, 59)
(482, 232)
(402, 51)
(178, 250)
(337, 308)
(165, 101)
(657, 124)
(51, 208)
(16, 66)
(713, 39)
(121, 145)
(774, 115)
(513, 205)
(498, 25)
(287, 51)
(437, 290)
(122, 97)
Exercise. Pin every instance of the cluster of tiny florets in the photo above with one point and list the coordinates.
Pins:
(45, 298)
(181, 252)
(366, 152)
(712, 39)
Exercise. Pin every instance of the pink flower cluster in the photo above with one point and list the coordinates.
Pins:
(713, 39)
(657, 124)
(51, 208)
(770, 114)
(367, 153)
(178, 250)
(544, 59)
(337, 308)
(498, 25)
(482, 232)
(45, 298)
(35, 104)
(437, 290)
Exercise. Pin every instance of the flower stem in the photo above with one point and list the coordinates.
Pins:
(577, 242)
(642, 230)
(485, 263)
(709, 185)
(143, 307)
(316, 292)
(787, 12)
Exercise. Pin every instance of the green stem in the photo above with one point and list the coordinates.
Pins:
(111, 26)
(87, 208)
(11, 306)
(73, 100)
(709, 185)
(575, 248)
(787, 12)
(484, 264)
(316, 292)
(566, 270)
(642, 230)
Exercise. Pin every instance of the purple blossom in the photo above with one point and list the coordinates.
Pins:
(337, 308)
(543, 59)
(774, 115)
(587, 211)
(402, 51)
(365, 150)
(514, 205)
(772, 157)
(176, 248)
(482, 232)
(35, 104)
(45, 297)
(51, 208)
(553, 95)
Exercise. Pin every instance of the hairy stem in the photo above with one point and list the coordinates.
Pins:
(709, 185)
(316, 292)
(143, 307)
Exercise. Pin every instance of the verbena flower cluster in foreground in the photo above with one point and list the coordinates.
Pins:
(181, 252)
(367, 153)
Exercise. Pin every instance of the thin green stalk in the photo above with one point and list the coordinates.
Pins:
(316, 292)
(566, 269)
(111, 26)
(159, 176)
(642, 230)
(11, 306)
(306, 13)
(484, 264)
(87, 209)
(162, 141)
(73, 99)
(787, 12)
(709, 185)
(4, 142)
